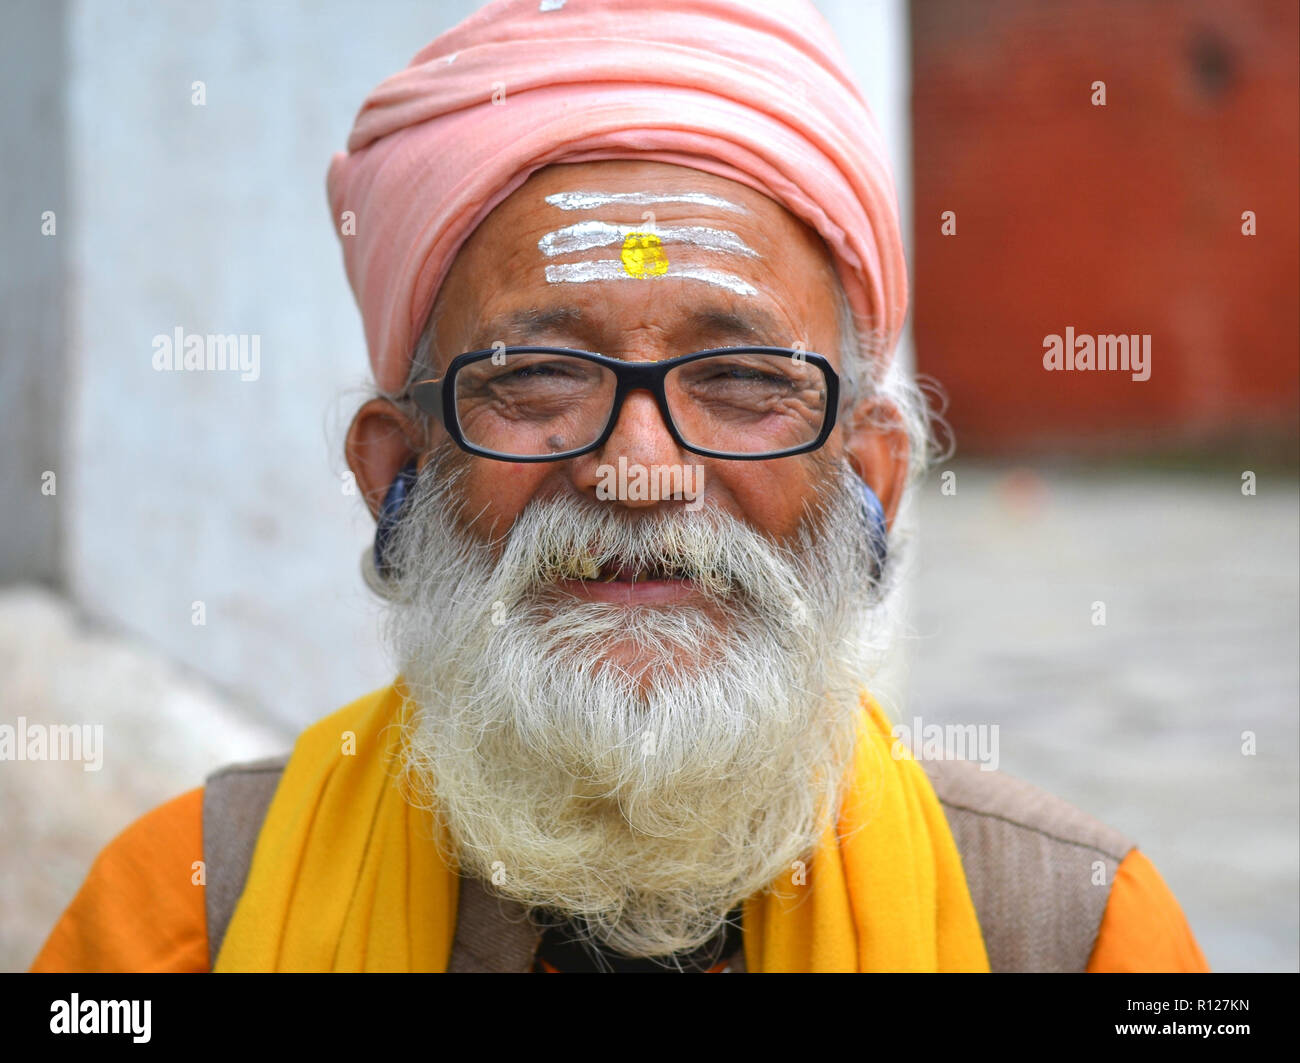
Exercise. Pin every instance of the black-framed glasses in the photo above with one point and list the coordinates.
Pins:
(550, 403)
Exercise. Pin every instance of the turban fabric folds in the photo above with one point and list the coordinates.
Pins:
(755, 91)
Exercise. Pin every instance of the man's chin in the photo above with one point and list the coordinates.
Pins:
(648, 668)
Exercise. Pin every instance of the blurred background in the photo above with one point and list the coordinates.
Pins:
(179, 553)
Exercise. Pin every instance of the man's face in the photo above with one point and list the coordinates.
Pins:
(645, 755)
(757, 276)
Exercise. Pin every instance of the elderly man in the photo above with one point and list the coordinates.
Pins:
(631, 277)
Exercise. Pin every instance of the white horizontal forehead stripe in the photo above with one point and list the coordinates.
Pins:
(590, 200)
(588, 234)
(611, 269)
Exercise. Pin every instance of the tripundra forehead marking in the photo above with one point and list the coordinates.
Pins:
(590, 200)
(613, 269)
(642, 255)
(588, 234)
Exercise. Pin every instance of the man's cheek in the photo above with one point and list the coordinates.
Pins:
(496, 496)
(775, 503)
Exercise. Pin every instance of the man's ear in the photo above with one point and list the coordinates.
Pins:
(876, 446)
(381, 439)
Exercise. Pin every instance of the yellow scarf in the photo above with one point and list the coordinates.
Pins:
(346, 875)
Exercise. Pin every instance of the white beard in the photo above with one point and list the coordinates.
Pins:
(649, 808)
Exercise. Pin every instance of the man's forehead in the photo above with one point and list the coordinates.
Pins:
(571, 250)
(751, 323)
(565, 209)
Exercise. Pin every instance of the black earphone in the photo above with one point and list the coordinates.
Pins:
(877, 532)
(390, 513)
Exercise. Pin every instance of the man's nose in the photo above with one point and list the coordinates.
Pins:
(641, 436)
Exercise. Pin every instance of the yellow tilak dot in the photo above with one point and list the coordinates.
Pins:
(643, 255)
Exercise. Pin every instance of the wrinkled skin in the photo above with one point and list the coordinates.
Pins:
(500, 270)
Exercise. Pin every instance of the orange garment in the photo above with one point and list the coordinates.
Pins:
(1143, 928)
(139, 909)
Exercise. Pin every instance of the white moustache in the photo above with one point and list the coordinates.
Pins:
(724, 557)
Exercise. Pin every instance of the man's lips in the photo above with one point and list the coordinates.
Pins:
(638, 585)
(638, 592)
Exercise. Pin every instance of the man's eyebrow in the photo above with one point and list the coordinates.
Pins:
(530, 320)
(754, 321)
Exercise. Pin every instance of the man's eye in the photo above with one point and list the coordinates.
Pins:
(539, 369)
(748, 373)
(744, 374)
(532, 370)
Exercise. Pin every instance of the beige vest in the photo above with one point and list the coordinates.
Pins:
(1039, 870)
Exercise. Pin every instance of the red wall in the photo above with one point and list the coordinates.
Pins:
(1117, 219)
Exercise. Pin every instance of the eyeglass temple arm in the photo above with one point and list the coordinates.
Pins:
(428, 397)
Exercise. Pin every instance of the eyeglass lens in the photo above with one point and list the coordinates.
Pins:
(533, 403)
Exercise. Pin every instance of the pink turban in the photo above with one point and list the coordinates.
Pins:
(758, 93)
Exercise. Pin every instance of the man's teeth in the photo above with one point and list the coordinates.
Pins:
(586, 568)
(579, 568)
